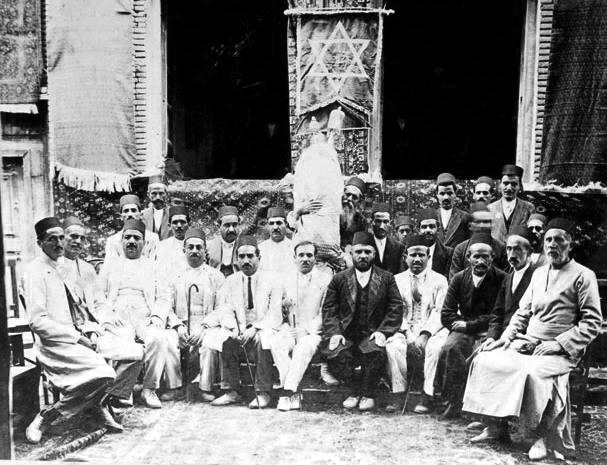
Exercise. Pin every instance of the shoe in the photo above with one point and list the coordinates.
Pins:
(150, 399)
(366, 404)
(295, 401)
(228, 398)
(276, 386)
(118, 402)
(558, 456)
(425, 406)
(263, 398)
(488, 434)
(453, 411)
(35, 429)
(351, 402)
(284, 404)
(326, 376)
(475, 426)
(207, 396)
(395, 404)
(108, 419)
(138, 388)
(173, 394)
(538, 450)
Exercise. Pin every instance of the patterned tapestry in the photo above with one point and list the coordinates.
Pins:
(20, 51)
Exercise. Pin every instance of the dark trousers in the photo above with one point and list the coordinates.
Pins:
(127, 372)
(231, 356)
(373, 365)
(452, 370)
(78, 399)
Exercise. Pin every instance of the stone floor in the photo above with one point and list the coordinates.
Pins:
(198, 433)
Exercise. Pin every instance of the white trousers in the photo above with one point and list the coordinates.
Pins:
(161, 357)
(209, 367)
(292, 355)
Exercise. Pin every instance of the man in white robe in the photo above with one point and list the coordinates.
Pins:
(277, 251)
(294, 345)
(525, 373)
(220, 249)
(170, 256)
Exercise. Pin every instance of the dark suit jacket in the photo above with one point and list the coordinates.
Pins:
(457, 230)
(385, 308)
(459, 260)
(147, 216)
(520, 215)
(441, 261)
(506, 303)
(474, 305)
(392, 256)
(359, 224)
(214, 254)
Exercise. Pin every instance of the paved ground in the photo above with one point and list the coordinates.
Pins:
(197, 433)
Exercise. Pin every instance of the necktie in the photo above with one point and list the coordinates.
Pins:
(249, 294)
(417, 296)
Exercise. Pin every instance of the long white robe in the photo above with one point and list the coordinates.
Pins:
(277, 257)
(170, 256)
(113, 246)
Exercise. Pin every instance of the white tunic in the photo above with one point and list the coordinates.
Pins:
(170, 255)
(277, 257)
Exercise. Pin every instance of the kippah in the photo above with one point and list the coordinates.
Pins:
(177, 210)
(479, 206)
(245, 239)
(129, 199)
(538, 216)
(561, 223)
(45, 224)
(136, 225)
(512, 170)
(445, 178)
(194, 232)
(274, 212)
(414, 240)
(428, 214)
(402, 220)
(480, 238)
(358, 183)
(521, 231)
(227, 210)
(380, 207)
(363, 238)
(71, 221)
(484, 179)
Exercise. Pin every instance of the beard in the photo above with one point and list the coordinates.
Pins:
(346, 218)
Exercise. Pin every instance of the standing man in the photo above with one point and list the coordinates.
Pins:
(404, 225)
(388, 252)
(221, 249)
(170, 250)
(277, 251)
(130, 209)
(251, 307)
(63, 347)
(351, 219)
(421, 334)
(294, 345)
(156, 216)
(453, 222)
(483, 190)
(465, 313)
(361, 310)
(528, 367)
(510, 211)
(536, 225)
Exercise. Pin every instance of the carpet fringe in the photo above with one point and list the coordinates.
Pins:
(88, 180)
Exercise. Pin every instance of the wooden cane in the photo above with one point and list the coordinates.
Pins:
(246, 357)
(188, 395)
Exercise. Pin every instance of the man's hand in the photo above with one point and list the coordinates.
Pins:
(335, 341)
(156, 322)
(196, 338)
(459, 326)
(421, 341)
(311, 206)
(248, 335)
(379, 338)
(86, 342)
(548, 348)
(491, 344)
(182, 332)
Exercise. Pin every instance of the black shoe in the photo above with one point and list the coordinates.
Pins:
(108, 419)
(426, 405)
(453, 411)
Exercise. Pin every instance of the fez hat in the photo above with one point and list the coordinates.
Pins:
(227, 210)
(521, 231)
(156, 179)
(178, 210)
(246, 239)
(129, 199)
(480, 238)
(484, 179)
(428, 214)
(194, 232)
(402, 220)
(274, 212)
(479, 206)
(380, 207)
(561, 223)
(539, 217)
(363, 238)
(512, 170)
(358, 183)
(71, 221)
(414, 240)
(444, 179)
(136, 225)
(42, 226)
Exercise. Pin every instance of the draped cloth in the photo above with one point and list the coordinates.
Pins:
(90, 92)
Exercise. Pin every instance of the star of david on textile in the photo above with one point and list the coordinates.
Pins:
(338, 70)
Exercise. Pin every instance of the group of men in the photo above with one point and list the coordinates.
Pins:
(486, 307)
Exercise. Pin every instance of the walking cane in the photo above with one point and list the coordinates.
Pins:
(246, 357)
(409, 381)
(188, 395)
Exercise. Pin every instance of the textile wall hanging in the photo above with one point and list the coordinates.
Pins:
(90, 89)
(20, 51)
(575, 127)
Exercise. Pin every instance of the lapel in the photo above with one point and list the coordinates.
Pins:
(522, 285)
(352, 288)
(439, 255)
(499, 221)
(407, 289)
(518, 214)
(374, 283)
(454, 222)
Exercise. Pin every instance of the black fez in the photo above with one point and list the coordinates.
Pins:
(227, 210)
(484, 179)
(539, 217)
(363, 238)
(157, 179)
(194, 232)
(415, 240)
(561, 223)
(380, 207)
(512, 170)
(246, 239)
(428, 214)
(479, 206)
(178, 210)
(480, 238)
(129, 199)
(274, 212)
(358, 183)
(444, 179)
(71, 221)
(521, 231)
(42, 226)
(136, 225)
(402, 220)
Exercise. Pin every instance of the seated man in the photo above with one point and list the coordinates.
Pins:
(251, 308)
(294, 345)
(170, 254)
(557, 318)
(63, 348)
(422, 334)
(465, 313)
(361, 310)
(139, 302)
(204, 298)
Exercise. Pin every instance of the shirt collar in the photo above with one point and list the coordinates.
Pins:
(510, 203)
(227, 245)
(522, 270)
(362, 274)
